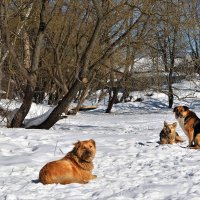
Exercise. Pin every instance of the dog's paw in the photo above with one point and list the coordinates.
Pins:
(85, 181)
(94, 176)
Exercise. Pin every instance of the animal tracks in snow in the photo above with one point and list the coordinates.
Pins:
(129, 163)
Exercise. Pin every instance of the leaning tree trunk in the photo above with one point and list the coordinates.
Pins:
(62, 105)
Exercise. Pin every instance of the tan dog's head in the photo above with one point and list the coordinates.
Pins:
(170, 128)
(180, 111)
(85, 150)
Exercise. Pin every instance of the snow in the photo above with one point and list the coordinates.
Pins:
(129, 163)
(145, 64)
(38, 119)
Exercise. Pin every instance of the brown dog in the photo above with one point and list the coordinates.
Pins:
(190, 124)
(168, 134)
(75, 167)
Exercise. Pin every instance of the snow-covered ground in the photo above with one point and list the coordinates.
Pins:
(129, 163)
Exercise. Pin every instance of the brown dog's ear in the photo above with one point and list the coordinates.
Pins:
(185, 108)
(94, 143)
(77, 144)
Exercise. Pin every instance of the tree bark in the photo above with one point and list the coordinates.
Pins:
(24, 108)
(170, 90)
(113, 99)
(82, 99)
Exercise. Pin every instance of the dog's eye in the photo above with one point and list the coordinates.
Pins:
(90, 146)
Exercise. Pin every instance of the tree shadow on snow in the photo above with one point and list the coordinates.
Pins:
(148, 143)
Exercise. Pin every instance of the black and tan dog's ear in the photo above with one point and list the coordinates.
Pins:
(175, 109)
(185, 108)
(93, 142)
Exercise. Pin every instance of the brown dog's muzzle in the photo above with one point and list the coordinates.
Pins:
(87, 155)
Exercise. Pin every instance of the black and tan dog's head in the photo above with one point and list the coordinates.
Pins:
(180, 111)
(85, 150)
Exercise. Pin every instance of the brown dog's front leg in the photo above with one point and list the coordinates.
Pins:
(94, 176)
(84, 181)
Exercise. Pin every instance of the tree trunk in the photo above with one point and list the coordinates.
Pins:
(125, 96)
(8, 88)
(113, 99)
(25, 107)
(170, 92)
(31, 83)
(81, 100)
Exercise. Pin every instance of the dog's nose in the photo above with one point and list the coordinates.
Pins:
(88, 152)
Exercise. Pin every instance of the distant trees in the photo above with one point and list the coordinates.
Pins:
(191, 30)
(173, 38)
(167, 39)
(61, 51)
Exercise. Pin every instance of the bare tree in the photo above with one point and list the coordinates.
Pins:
(87, 45)
(28, 67)
(167, 40)
(191, 31)
(87, 62)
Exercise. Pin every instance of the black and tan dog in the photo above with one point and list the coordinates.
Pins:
(75, 167)
(190, 124)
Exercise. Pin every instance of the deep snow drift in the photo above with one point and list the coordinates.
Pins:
(129, 163)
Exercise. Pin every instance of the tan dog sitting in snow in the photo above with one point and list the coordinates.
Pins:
(75, 167)
(168, 135)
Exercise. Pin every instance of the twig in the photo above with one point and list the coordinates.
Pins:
(55, 147)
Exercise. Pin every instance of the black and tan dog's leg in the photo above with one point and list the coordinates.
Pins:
(190, 134)
(196, 142)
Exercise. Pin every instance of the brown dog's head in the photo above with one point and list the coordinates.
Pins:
(85, 150)
(180, 111)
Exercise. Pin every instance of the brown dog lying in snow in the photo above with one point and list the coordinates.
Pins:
(75, 167)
